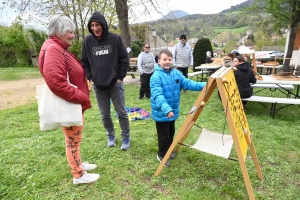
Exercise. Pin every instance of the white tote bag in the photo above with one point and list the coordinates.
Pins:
(55, 112)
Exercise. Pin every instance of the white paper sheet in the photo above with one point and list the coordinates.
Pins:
(214, 143)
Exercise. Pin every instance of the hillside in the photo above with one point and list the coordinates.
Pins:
(200, 25)
(208, 25)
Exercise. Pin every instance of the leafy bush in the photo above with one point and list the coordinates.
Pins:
(14, 46)
(76, 48)
(136, 47)
(36, 39)
(199, 53)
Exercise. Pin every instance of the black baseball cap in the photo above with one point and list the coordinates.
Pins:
(183, 36)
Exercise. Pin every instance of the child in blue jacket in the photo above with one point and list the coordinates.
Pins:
(165, 85)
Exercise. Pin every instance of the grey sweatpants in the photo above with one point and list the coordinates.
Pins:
(116, 94)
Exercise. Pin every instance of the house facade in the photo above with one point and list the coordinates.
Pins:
(157, 43)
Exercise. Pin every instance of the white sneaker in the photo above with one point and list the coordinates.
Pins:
(86, 166)
(86, 178)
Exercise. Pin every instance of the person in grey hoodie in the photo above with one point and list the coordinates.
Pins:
(146, 62)
(105, 61)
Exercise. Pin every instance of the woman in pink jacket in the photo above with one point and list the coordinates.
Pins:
(56, 63)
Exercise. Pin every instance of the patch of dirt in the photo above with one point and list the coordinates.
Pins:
(16, 93)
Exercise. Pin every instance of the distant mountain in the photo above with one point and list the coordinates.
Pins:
(176, 14)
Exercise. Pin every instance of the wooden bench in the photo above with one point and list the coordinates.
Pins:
(133, 70)
(286, 88)
(274, 101)
(198, 74)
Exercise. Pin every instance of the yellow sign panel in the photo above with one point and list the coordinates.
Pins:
(234, 109)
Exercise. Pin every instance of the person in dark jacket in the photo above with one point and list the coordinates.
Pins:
(105, 61)
(57, 64)
(165, 84)
(244, 76)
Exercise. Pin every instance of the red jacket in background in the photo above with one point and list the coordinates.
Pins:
(54, 66)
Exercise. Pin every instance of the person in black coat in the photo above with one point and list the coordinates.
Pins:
(244, 76)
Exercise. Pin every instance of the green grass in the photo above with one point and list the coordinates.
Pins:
(34, 165)
(17, 73)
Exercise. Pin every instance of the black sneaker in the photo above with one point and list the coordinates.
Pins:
(159, 158)
(140, 97)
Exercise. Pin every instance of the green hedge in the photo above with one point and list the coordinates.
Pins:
(199, 53)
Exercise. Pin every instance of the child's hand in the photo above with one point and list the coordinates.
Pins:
(170, 114)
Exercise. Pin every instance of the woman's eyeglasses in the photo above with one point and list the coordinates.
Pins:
(147, 47)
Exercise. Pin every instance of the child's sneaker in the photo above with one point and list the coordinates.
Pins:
(167, 164)
(86, 166)
(125, 144)
(86, 178)
(111, 142)
(173, 155)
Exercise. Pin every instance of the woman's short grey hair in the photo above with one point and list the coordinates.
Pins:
(61, 25)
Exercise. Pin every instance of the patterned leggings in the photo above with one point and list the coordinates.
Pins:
(73, 136)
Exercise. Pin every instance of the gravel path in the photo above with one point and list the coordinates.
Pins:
(16, 93)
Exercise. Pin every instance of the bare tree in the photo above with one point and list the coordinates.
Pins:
(284, 14)
(79, 11)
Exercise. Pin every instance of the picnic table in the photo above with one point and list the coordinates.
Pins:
(205, 69)
(133, 70)
(269, 68)
(269, 81)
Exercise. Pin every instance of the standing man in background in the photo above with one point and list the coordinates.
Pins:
(183, 56)
(105, 61)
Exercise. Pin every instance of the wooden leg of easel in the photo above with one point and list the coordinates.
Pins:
(184, 135)
(255, 160)
(254, 156)
(177, 138)
(247, 180)
(180, 137)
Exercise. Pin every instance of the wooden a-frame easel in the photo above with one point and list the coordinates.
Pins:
(237, 121)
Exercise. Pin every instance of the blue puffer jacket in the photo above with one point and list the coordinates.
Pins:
(165, 92)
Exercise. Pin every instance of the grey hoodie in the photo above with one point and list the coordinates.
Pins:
(146, 62)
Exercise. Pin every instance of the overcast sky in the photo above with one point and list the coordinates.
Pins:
(164, 7)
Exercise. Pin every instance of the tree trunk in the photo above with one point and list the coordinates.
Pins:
(122, 12)
(289, 53)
